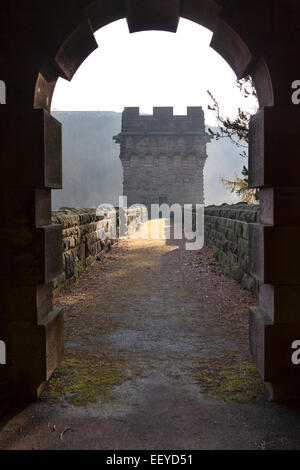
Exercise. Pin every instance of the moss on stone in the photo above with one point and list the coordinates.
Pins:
(239, 382)
(83, 382)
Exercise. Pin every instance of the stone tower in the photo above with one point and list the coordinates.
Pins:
(163, 156)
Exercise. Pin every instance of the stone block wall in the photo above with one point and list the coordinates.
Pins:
(226, 231)
(81, 245)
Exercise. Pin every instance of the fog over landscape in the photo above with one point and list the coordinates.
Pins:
(92, 170)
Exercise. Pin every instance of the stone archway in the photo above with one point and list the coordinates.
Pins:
(40, 44)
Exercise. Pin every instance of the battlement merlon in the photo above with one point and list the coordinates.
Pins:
(163, 112)
(163, 122)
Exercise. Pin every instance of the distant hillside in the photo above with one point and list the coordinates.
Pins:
(92, 171)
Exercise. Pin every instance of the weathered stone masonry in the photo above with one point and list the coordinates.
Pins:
(80, 243)
(163, 156)
(227, 232)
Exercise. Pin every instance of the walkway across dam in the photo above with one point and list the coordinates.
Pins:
(156, 357)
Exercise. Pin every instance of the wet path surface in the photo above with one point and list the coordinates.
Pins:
(156, 357)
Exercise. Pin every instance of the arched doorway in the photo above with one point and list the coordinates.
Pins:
(244, 36)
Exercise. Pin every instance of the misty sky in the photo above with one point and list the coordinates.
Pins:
(150, 69)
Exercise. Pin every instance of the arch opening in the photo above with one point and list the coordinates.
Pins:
(234, 39)
(163, 198)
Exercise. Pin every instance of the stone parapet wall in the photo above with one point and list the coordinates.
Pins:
(226, 231)
(163, 120)
(81, 244)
